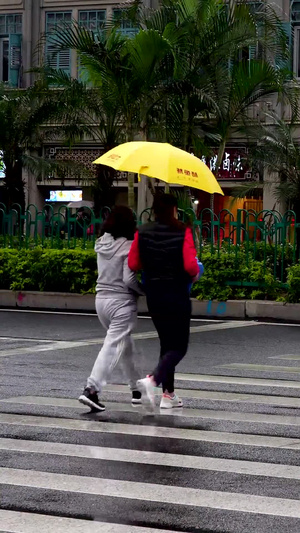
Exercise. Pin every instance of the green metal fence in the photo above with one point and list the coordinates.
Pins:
(268, 236)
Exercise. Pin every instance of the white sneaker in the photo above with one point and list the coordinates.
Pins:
(168, 402)
(146, 387)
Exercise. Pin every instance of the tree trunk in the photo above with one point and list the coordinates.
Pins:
(144, 137)
(296, 208)
(131, 195)
(130, 178)
(220, 156)
(185, 124)
(218, 164)
(102, 188)
(13, 189)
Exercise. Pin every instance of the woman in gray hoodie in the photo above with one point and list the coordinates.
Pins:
(117, 291)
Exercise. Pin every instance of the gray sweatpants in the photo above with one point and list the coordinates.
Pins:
(118, 317)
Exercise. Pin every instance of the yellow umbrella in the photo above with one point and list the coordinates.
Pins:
(162, 161)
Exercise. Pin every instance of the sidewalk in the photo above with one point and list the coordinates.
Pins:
(237, 309)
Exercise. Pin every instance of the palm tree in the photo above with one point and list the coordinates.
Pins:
(186, 76)
(100, 120)
(124, 72)
(26, 117)
(278, 153)
(222, 66)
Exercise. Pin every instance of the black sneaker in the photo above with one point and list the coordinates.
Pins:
(90, 398)
(136, 397)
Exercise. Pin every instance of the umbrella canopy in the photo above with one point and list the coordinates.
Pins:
(162, 161)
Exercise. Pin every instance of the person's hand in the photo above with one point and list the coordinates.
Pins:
(201, 271)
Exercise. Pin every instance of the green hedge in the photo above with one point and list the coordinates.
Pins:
(48, 270)
(233, 277)
(293, 295)
(76, 271)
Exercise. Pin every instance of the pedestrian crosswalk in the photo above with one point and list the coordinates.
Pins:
(229, 461)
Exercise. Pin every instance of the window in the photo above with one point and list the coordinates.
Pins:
(92, 20)
(127, 27)
(56, 20)
(10, 24)
(297, 51)
(10, 49)
(286, 63)
(296, 11)
(57, 60)
(4, 60)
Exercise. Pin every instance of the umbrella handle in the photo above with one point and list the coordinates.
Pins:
(140, 172)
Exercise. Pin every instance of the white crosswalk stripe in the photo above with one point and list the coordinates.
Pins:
(16, 522)
(154, 458)
(279, 401)
(152, 492)
(89, 473)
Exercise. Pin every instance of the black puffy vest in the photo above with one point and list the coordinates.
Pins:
(161, 253)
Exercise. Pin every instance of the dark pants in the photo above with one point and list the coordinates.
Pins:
(170, 312)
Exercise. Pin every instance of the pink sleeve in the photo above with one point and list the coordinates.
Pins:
(134, 260)
(189, 254)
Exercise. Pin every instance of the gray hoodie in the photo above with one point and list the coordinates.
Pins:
(115, 279)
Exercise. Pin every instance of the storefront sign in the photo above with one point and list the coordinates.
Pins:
(234, 164)
(65, 196)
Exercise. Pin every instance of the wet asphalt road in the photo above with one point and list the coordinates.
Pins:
(227, 462)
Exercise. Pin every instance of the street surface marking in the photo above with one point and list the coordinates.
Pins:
(262, 368)
(57, 345)
(207, 414)
(287, 357)
(150, 431)
(65, 345)
(154, 458)
(287, 324)
(238, 380)
(280, 401)
(133, 490)
(18, 522)
(29, 339)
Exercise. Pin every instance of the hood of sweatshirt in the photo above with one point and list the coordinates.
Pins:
(107, 246)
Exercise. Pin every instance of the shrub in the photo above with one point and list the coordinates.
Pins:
(48, 270)
(231, 276)
(227, 275)
(294, 284)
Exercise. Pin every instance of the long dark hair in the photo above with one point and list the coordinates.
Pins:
(163, 208)
(120, 223)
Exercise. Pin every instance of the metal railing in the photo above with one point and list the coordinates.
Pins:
(267, 236)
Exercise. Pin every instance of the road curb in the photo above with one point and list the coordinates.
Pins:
(236, 309)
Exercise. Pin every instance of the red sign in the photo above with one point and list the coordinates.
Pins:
(234, 164)
(187, 172)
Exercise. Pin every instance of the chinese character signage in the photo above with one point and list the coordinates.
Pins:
(233, 166)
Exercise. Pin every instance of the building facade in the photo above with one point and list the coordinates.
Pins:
(23, 22)
(22, 25)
